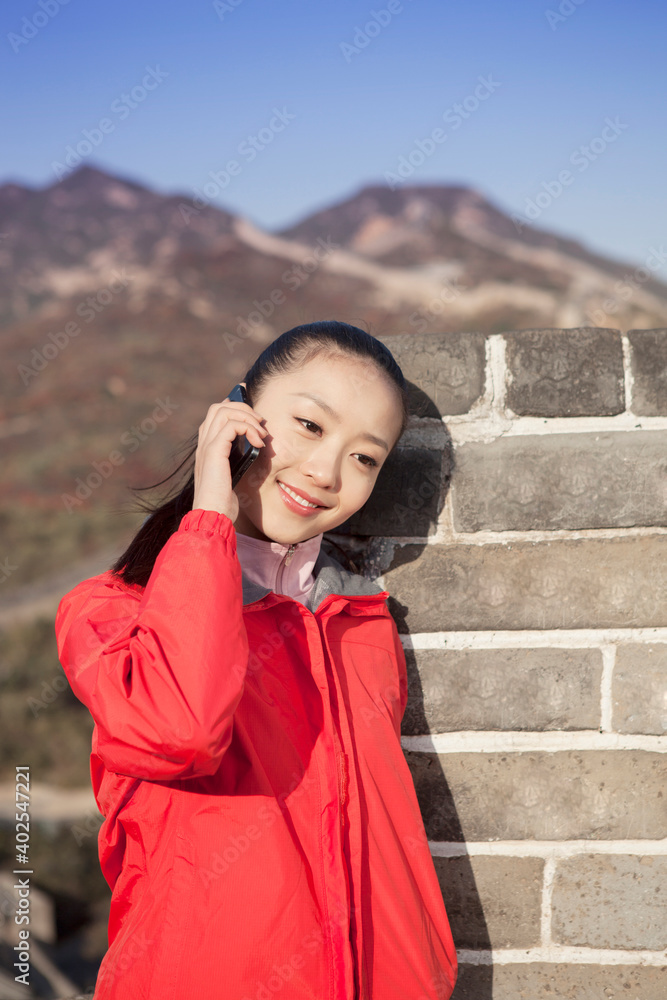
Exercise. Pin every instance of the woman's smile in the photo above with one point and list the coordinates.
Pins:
(301, 495)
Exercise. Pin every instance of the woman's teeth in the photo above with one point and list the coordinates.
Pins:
(304, 503)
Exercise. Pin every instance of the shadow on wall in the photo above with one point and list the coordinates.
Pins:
(407, 501)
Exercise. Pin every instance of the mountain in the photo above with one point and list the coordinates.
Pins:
(417, 224)
(430, 256)
(115, 299)
(66, 239)
(456, 232)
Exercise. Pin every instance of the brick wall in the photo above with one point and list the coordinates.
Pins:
(522, 532)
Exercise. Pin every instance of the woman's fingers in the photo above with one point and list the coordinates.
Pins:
(220, 413)
(224, 422)
(239, 426)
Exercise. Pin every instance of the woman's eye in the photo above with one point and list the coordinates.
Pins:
(304, 420)
(370, 462)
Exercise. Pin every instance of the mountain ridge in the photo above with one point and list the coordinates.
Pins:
(61, 240)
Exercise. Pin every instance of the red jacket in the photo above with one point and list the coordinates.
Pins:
(262, 835)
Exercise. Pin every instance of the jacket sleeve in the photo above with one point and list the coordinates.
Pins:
(162, 669)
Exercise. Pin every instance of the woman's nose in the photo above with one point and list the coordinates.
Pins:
(322, 469)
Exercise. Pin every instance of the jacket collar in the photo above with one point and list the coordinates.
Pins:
(331, 577)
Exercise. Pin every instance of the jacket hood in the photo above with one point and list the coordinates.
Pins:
(331, 577)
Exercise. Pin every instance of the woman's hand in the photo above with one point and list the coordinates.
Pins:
(213, 477)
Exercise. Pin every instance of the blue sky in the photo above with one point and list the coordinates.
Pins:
(359, 86)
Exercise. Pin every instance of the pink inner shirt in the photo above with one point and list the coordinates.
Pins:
(261, 561)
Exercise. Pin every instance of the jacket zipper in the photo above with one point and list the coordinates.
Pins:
(342, 765)
(286, 559)
(342, 781)
(343, 776)
(341, 756)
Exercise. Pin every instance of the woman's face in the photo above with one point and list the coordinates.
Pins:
(323, 450)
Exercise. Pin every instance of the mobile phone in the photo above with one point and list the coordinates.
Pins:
(243, 454)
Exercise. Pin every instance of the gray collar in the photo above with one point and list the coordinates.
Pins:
(330, 578)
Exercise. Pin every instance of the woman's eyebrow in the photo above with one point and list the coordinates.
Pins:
(335, 416)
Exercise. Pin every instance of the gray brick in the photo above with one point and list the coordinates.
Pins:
(639, 689)
(649, 371)
(565, 373)
(561, 481)
(564, 795)
(449, 368)
(559, 981)
(492, 902)
(562, 583)
(474, 982)
(611, 901)
(533, 689)
(406, 498)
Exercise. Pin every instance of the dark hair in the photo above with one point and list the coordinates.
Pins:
(287, 353)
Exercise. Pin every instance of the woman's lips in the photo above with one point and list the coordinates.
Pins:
(295, 505)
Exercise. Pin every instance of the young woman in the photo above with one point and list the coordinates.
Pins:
(262, 836)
